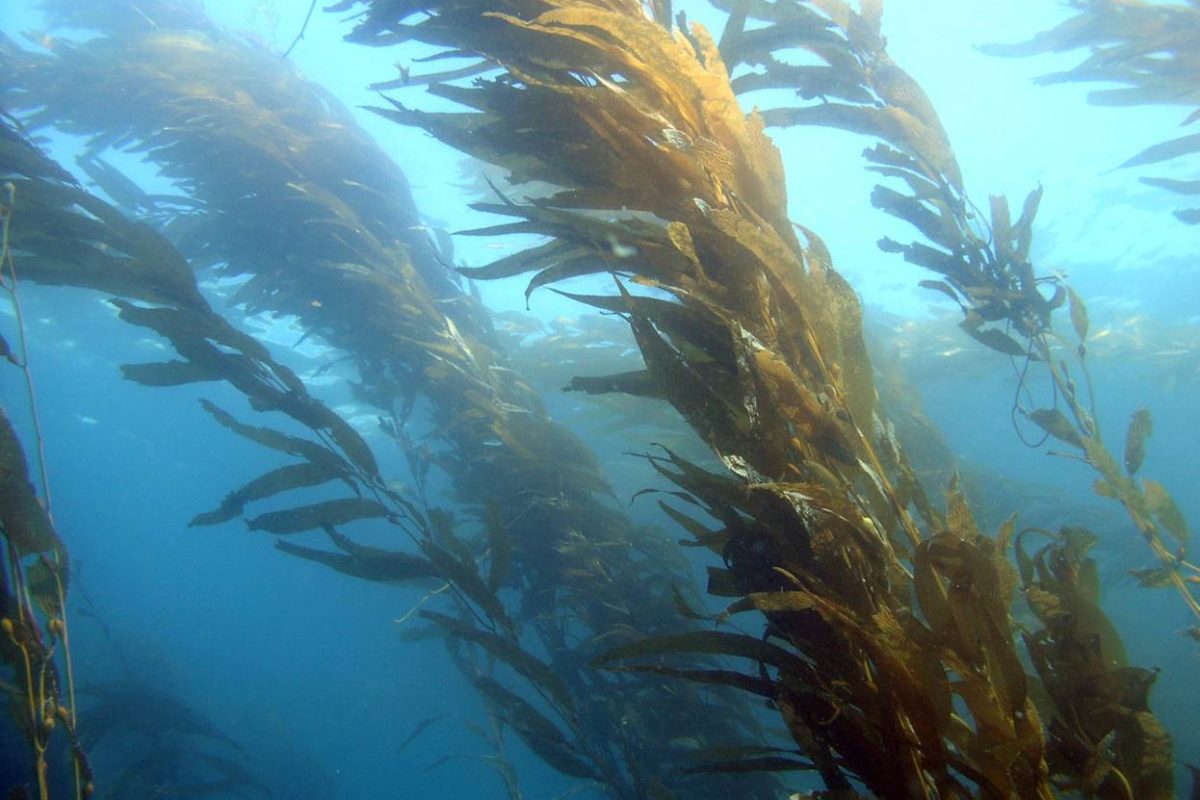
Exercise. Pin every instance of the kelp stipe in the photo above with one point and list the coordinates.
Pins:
(34, 635)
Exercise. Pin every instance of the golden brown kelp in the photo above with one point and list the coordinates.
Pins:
(988, 272)
(34, 637)
(1104, 741)
(756, 341)
(1151, 50)
(986, 269)
(332, 257)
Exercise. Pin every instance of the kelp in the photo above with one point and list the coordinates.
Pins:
(34, 636)
(988, 269)
(817, 531)
(758, 345)
(27, 527)
(33, 631)
(988, 272)
(273, 147)
(180, 752)
(70, 237)
(1149, 51)
(1104, 741)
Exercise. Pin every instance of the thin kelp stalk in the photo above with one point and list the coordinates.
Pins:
(757, 342)
(27, 525)
(33, 576)
(985, 269)
(337, 259)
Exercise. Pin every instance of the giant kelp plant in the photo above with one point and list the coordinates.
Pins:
(984, 265)
(757, 346)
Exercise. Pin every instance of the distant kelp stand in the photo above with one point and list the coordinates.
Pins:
(347, 254)
(1151, 51)
(34, 636)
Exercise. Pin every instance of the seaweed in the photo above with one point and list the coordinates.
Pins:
(35, 567)
(180, 751)
(758, 345)
(987, 270)
(1148, 51)
(885, 640)
(1104, 741)
(276, 148)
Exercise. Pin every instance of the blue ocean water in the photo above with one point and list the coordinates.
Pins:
(305, 669)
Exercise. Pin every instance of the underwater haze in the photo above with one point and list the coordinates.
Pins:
(551, 399)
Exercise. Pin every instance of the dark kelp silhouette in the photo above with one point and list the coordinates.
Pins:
(178, 751)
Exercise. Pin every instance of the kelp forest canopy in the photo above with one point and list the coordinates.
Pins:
(871, 622)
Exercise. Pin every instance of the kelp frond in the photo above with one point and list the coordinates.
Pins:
(758, 344)
(1150, 50)
(989, 272)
